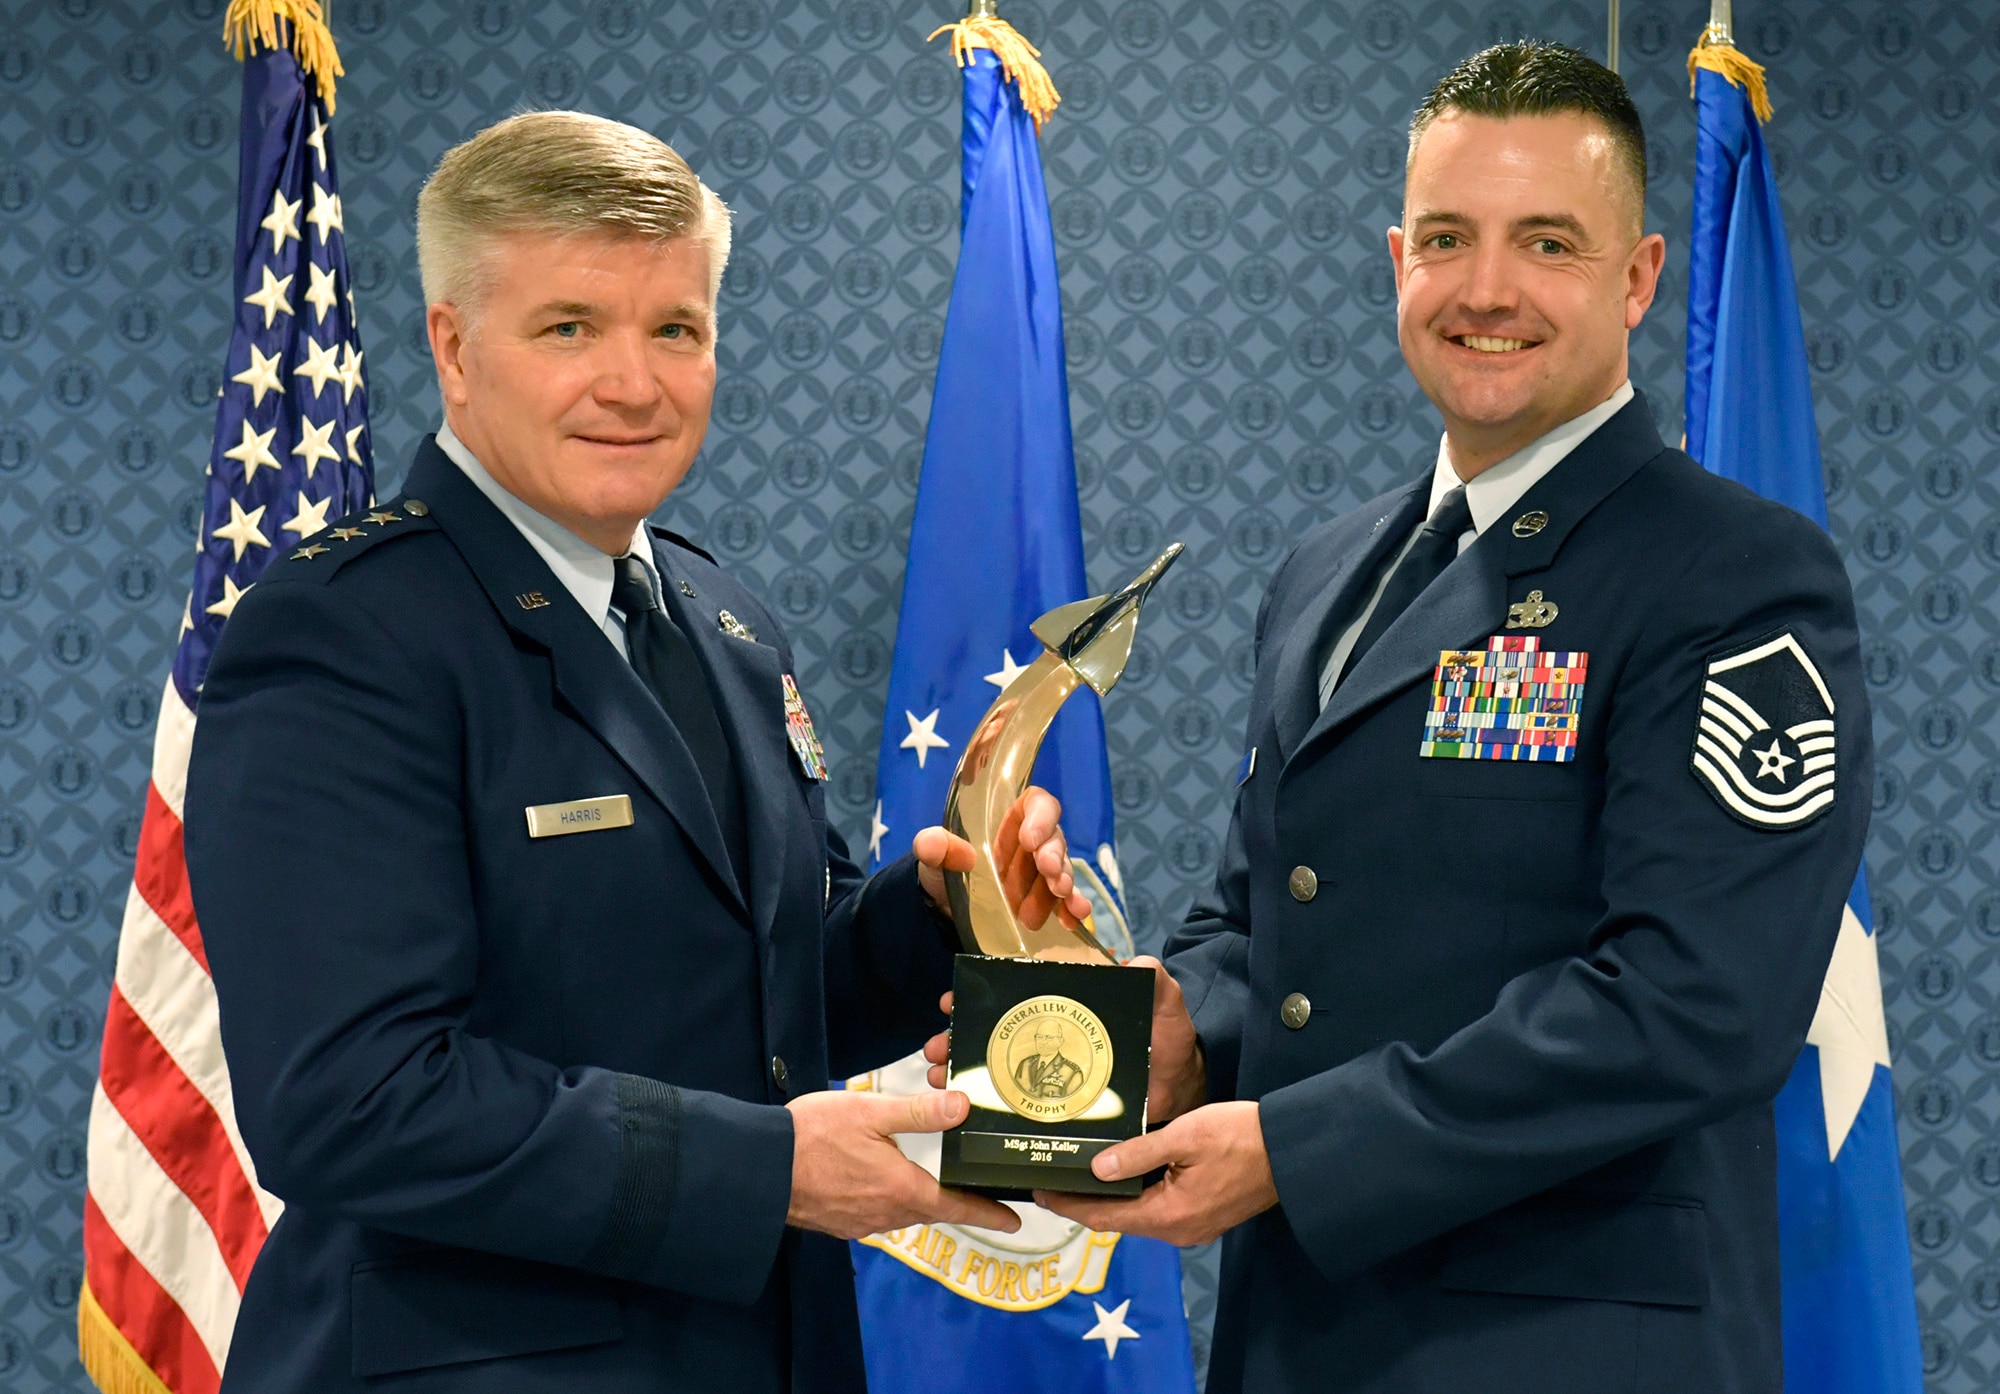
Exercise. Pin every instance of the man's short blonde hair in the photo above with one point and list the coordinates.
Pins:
(562, 172)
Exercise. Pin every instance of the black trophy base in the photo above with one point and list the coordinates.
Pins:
(1055, 1058)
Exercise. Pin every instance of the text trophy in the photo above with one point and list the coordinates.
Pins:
(1050, 1038)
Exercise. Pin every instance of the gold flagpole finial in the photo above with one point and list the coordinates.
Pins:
(252, 24)
(1716, 51)
(1020, 60)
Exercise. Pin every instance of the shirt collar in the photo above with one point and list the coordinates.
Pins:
(1495, 490)
(584, 571)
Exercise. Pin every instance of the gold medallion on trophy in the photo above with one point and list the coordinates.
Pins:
(1049, 1058)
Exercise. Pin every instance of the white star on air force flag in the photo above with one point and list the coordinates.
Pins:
(876, 828)
(1849, 1029)
(1111, 1328)
(923, 737)
(1009, 670)
(1763, 711)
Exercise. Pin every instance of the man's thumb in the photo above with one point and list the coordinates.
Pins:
(927, 1113)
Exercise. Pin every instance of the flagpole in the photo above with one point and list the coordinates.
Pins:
(1611, 41)
(1721, 23)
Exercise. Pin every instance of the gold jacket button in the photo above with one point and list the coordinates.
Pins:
(1304, 884)
(1297, 1009)
(779, 1074)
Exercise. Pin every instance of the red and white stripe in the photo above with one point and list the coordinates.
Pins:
(174, 1216)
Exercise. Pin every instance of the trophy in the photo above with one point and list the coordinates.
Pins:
(1051, 1039)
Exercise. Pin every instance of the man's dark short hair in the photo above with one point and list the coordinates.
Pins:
(1533, 78)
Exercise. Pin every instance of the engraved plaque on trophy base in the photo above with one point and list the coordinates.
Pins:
(1055, 1058)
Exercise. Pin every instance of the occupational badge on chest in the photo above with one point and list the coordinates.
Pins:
(799, 727)
(1509, 701)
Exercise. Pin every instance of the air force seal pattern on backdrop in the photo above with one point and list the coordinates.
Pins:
(1765, 747)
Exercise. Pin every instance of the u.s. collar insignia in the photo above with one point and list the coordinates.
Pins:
(1532, 613)
(805, 740)
(1764, 744)
(1530, 523)
(734, 627)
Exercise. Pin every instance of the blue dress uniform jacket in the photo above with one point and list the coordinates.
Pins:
(1522, 1137)
(523, 1096)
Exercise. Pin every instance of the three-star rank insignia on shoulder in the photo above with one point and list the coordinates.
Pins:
(1765, 743)
(1512, 700)
(805, 740)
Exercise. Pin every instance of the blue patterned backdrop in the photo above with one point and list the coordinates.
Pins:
(1221, 173)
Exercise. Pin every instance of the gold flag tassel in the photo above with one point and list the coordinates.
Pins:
(1716, 52)
(250, 24)
(108, 1358)
(1019, 59)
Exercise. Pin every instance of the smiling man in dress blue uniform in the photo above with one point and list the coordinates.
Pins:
(541, 1072)
(1559, 769)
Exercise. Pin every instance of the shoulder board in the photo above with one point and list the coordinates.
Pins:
(666, 535)
(318, 557)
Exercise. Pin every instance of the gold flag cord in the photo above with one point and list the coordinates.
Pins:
(1019, 59)
(250, 24)
(1716, 53)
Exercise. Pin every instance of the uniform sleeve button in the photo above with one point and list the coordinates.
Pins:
(1304, 884)
(1296, 1011)
(779, 1073)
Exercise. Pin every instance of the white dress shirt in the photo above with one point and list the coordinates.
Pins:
(1490, 495)
(585, 572)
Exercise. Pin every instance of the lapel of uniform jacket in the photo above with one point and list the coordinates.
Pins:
(1468, 603)
(746, 677)
(593, 679)
(1295, 689)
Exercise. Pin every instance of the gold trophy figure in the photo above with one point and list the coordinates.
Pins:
(1084, 644)
(1050, 1036)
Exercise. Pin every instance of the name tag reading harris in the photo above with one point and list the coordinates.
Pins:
(580, 816)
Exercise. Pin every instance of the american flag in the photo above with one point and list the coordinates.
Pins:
(174, 1217)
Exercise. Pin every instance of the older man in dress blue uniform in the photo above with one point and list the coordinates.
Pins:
(1558, 775)
(540, 1067)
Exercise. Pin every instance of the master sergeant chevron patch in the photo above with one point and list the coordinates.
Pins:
(1765, 744)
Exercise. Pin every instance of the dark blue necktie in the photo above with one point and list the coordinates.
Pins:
(667, 663)
(1426, 560)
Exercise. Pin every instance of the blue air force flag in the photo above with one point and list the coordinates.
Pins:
(1849, 1302)
(995, 543)
(997, 539)
(1053, 1307)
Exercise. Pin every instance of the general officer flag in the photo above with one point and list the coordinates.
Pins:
(173, 1217)
(996, 542)
(1849, 1303)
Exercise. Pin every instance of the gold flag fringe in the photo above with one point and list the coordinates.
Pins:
(108, 1358)
(249, 24)
(1722, 56)
(1019, 59)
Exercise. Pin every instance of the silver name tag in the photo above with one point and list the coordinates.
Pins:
(580, 816)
